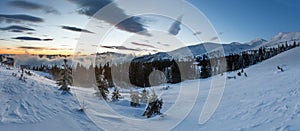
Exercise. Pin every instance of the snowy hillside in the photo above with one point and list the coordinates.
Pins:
(267, 99)
(200, 49)
(37, 104)
(256, 42)
(283, 37)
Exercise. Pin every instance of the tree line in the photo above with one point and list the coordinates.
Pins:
(150, 73)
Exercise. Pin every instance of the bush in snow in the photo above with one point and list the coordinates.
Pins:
(82, 107)
(135, 98)
(144, 96)
(22, 77)
(154, 106)
(116, 95)
(280, 68)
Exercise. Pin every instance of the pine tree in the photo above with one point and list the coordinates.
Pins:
(205, 70)
(116, 95)
(154, 106)
(66, 79)
(102, 87)
(22, 77)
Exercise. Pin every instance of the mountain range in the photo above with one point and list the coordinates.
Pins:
(189, 52)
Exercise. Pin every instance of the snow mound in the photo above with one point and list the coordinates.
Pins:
(35, 102)
(28, 101)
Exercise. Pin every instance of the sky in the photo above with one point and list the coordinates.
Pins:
(244, 20)
(79, 26)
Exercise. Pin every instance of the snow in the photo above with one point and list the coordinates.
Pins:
(187, 53)
(37, 104)
(256, 42)
(267, 99)
(283, 37)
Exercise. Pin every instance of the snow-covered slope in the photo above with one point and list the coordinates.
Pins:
(283, 37)
(256, 42)
(37, 105)
(265, 100)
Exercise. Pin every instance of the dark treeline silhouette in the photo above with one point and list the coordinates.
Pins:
(139, 72)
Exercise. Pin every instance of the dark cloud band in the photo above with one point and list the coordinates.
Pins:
(90, 7)
(26, 38)
(76, 29)
(18, 18)
(146, 45)
(32, 6)
(120, 48)
(16, 28)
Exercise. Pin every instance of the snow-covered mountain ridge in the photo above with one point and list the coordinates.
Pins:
(230, 48)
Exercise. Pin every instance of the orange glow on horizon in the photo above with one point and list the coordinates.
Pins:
(38, 52)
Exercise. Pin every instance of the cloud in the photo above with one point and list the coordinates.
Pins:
(32, 6)
(18, 18)
(64, 45)
(76, 29)
(53, 49)
(90, 7)
(134, 43)
(16, 31)
(31, 47)
(36, 60)
(48, 39)
(120, 48)
(16, 28)
(197, 33)
(162, 44)
(27, 38)
(214, 38)
(175, 27)
(39, 48)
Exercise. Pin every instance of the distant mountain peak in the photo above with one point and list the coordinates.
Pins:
(235, 43)
(283, 37)
(256, 42)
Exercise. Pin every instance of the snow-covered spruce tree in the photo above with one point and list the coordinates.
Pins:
(154, 106)
(135, 98)
(116, 95)
(144, 96)
(22, 77)
(66, 78)
(102, 87)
